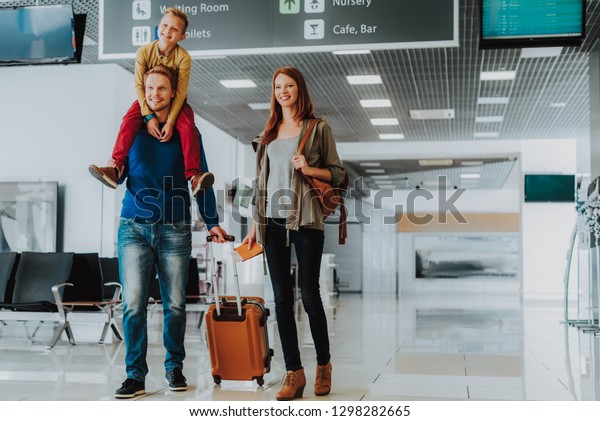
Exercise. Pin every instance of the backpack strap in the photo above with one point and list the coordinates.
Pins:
(307, 133)
(343, 229)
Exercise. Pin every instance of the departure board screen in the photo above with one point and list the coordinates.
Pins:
(551, 22)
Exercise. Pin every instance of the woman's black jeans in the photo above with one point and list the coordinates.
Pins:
(309, 248)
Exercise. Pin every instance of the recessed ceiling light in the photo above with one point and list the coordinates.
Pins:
(489, 119)
(375, 171)
(384, 121)
(441, 114)
(468, 163)
(260, 105)
(435, 162)
(375, 103)
(470, 175)
(485, 134)
(503, 75)
(492, 100)
(238, 83)
(391, 136)
(351, 52)
(364, 80)
(433, 183)
(370, 164)
(541, 52)
(558, 104)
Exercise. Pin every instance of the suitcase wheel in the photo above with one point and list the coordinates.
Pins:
(260, 381)
(217, 379)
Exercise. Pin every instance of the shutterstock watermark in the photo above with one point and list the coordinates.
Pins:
(282, 203)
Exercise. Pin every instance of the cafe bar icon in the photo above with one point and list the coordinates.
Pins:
(314, 29)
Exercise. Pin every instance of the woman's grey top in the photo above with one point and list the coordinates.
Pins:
(280, 153)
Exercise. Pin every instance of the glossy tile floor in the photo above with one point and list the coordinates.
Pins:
(456, 346)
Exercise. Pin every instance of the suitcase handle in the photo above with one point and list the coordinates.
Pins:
(230, 303)
(229, 314)
(229, 238)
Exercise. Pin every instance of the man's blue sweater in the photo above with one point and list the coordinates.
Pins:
(156, 186)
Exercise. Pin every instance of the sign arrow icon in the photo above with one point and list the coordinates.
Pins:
(290, 3)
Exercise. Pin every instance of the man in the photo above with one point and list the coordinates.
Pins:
(155, 232)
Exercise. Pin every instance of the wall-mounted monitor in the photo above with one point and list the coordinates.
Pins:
(549, 188)
(531, 23)
(37, 35)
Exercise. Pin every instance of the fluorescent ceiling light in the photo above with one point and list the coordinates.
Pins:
(489, 119)
(375, 103)
(467, 163)
(492, 100)
(384, 121)
(441, 114)
(503, 75)
(375, 171)
(434, 183)
(351, 52)
(558, 104)
(369, 164)
(260, 105)
(238, 83)
(470, 175)
(485, 134)
(435, 162)
(541, 52)
(380, 177)
(364, 80)
(391, 136)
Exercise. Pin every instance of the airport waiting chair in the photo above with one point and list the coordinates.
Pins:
(85, 298)
(8, 268)
(110, 277)
(37, 296)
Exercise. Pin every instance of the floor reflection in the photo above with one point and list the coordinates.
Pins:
(451, 346)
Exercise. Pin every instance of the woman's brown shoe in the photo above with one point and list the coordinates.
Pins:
(323, 379)
(293, 386)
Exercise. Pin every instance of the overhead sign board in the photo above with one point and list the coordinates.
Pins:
(231, 27)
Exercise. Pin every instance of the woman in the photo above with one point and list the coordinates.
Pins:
(285, 213)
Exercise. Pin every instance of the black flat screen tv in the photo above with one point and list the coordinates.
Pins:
(37, 35)
(531, 23)
(549, 188)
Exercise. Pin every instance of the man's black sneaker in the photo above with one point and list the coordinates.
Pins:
(176, 380)
(130, 389)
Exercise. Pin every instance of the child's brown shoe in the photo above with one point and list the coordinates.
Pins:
(109, 176)
(202, 181)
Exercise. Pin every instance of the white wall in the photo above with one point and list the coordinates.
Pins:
(56, 120)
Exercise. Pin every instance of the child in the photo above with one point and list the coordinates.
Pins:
(164, 51)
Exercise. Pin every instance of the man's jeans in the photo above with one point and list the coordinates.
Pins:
(142, 247)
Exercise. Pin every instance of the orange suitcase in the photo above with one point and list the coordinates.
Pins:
(236, 334)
